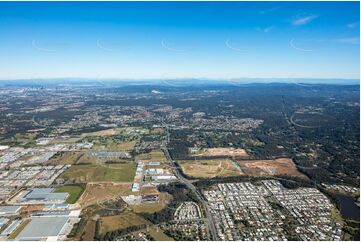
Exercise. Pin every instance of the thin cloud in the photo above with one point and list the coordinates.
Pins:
(267, 29)
(304, 20)
(352, 40)
(40, 48)
(352, 25)
(269, 10)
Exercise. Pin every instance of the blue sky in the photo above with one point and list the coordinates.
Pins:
(141, 40)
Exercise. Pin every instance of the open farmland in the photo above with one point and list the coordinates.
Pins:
(121, 221)
(281, 166)
(210, 168)
(98, 192)
(221, 152)
(98, 173)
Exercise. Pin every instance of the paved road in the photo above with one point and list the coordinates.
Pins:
(210, 222)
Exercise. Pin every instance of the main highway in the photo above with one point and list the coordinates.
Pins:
(209, 218)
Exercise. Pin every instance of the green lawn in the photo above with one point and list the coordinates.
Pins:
(74, 191)
(98, 173)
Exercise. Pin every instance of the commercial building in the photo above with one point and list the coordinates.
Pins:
(135, 187)
(43, 228)
(3, 221)
(9, 210)
(43, 195)
(14, 224)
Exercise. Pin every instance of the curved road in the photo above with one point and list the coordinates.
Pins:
(209, 219)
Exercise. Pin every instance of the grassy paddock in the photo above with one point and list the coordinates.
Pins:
(121, 221)
(74, 191)
(98, 173)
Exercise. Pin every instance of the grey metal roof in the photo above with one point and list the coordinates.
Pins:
(41, 190)
(9, 209)
(46, 194)
(42, 227)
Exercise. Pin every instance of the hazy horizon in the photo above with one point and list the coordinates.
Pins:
(185, 81)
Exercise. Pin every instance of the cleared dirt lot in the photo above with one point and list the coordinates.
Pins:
(149, 190)
(95, 193)
(281, 166)
(210, 168)
(157, 131)
(222, 152)
(32, 208)
(101, 132)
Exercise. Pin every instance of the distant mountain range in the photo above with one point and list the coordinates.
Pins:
(172, 82)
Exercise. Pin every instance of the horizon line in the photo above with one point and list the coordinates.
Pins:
(177, 78)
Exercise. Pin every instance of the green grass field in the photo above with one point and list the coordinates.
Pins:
(98, 173)
(74, 191)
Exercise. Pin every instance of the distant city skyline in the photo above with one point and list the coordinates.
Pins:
(207, 40)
